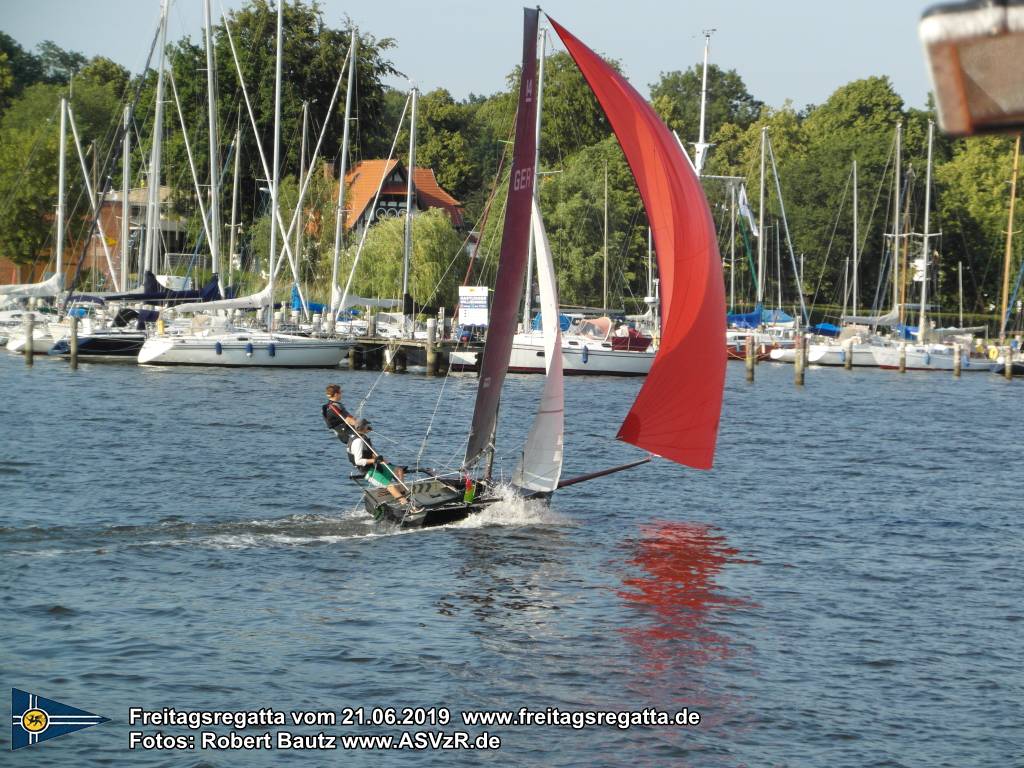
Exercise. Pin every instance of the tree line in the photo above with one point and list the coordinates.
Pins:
(466, 142)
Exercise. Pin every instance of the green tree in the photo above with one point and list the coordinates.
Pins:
(59, 66)
(437, 263)
(676, 98)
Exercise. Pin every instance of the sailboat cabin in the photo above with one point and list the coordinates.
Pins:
(364, 179)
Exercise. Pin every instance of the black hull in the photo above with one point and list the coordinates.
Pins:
(435, 502)
(1017, 369)
(121, 346)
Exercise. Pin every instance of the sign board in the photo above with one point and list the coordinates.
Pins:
(473, 304)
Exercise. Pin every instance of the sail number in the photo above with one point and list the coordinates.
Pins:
(521, 178)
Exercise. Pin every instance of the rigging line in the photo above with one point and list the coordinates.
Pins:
(824, 263)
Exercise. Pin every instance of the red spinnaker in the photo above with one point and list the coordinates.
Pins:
(677, 411)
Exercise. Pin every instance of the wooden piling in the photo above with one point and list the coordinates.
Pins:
(1008, 367)
(30, 327)
(73, 343)
(903, 357)
(848, 354)
(352, 358)
(371, 326)
(389, 359)
(431, 350)
(798, 361)
(749, 357)
(956, 361)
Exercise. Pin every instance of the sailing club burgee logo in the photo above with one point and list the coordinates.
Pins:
(35, 719)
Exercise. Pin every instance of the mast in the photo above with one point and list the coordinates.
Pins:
(211, 91)
(153, 199)
(343, 171)
(514, 255)
(926, 249)
(604, 293)
(897, 173)
(701, 147)
(61, 173)
(234, 201)
(856, 241)
(1009, 245)
(275, 171)
(528, 298)
(732, 248)
(410, 206)
(760, 223)
(302, 177)
(126, 208)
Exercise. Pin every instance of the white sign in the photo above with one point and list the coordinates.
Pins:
(473, 304)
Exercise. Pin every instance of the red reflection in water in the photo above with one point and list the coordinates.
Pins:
(680, 562)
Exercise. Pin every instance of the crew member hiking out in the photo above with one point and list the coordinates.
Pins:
(377, 472)
(336, 416)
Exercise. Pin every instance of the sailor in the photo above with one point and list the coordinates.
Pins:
(378, 472)
(336, 416)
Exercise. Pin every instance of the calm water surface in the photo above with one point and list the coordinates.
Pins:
(843, 589)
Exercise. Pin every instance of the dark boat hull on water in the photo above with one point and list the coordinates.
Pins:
(434, 502)
(113, 345)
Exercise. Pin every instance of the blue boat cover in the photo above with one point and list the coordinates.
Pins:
(297, 302)
(826, 329)
(563, 322)
(747, 319)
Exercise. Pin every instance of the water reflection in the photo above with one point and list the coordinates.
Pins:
(682, 606)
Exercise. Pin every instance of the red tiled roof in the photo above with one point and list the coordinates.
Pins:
(363, 180)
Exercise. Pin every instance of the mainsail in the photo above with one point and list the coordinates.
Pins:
(677, 411)
(51, 287)
(514, 253)
(541, 465)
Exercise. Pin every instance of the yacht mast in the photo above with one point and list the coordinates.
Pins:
(126, 208)
(604, 293)
(410, 206)
(926, 249)
(1009, 245)
(856, 241)
(61, 172)
(528, 296)
(897, 173)
(701, 147)
(275, 171)
(760, 223)
(234, 202)
(343, 171)
(153, 201)
(211, 91)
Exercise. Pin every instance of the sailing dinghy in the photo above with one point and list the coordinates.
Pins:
(676, 413)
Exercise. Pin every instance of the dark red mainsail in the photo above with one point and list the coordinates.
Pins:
(677, 411)
(508, 291)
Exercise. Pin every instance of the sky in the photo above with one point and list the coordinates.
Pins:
(800, 50)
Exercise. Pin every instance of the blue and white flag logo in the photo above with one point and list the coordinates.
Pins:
(35, 719)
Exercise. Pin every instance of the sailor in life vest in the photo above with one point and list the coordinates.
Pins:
(336, 416)
(378, 472)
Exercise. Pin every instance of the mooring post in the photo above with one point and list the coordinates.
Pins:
(1008, 357)
(848, 354)
(73, 343)
(903, 357)
(749, 357)
(956, 360)
(30, 327)
(352, 358)
(798, 361)
(431, 350)
(389, 358)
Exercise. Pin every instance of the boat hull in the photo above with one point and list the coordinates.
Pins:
(122, 347)
(578, 359)
(243, 351)
(434, 502)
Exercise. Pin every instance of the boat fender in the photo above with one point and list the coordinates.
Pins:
(272, 350)
(586, 354)
(218, 348)
(248, 349)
